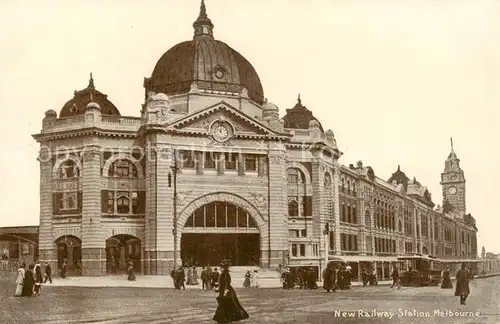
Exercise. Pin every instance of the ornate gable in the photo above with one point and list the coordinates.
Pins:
(238, 123)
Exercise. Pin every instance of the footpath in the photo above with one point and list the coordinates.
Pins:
(166, 282)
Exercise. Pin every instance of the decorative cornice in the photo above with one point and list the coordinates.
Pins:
(92, 131)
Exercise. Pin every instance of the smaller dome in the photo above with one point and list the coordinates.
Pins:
(299, 116)
(78, 104)
(160, 97)
(269, 106)
(50, 113)
(93, 105)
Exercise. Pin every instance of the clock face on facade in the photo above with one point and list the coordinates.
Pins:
(452, 190)
(220, 133)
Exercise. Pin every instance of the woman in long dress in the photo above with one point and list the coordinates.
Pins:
(246, 282)
(229, 308)
(38, 279)
(446, 280)
(195, 276)
(255, 279)
(29, 282)
(20, 280)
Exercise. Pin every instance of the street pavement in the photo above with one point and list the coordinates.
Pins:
(67, 305)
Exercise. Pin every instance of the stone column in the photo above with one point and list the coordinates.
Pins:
(93, 243)
(149, 245)
(319, 218)
(336, 208)
(276, 239)
(46, 245)
(165, 212)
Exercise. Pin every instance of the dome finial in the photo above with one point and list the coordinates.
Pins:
(451, 139)
(203, 25)
(298, 99)
(91, 82)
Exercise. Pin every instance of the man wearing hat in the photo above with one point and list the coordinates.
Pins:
(462, 288)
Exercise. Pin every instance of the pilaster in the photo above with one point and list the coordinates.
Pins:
(164, 243)
(149, 260)
(336, 209)
(277, 235)
(318, 201)
(46, 245)
(93, 243)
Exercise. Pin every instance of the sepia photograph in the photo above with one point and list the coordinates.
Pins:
(279, 161)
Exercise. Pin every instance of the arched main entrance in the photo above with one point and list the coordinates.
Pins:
(121, 249)
(217, 231)
(69, 249)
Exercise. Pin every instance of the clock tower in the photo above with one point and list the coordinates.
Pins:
(453, 183)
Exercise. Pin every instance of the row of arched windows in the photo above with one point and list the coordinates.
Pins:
(348, 187)
(119, 169)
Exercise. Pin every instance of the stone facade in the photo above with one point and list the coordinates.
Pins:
(215, 158)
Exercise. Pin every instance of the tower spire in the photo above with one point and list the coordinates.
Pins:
(91, 82)
(203, 25)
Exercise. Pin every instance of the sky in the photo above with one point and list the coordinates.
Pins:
(394, 79)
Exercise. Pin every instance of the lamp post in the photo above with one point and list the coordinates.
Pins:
(174, 230)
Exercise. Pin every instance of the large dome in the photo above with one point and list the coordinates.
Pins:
(210, 64)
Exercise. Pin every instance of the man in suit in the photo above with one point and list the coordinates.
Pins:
(204, 279)
(462, 286)
(48, 273)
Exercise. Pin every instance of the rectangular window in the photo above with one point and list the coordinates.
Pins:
(294, 250)
(293, 209)
(110, 203)
(209, 160)
(250, 162)
(188, 159)
(302, 250)
(293, 233)
(122, 205)
(230, 160)
(69, 200)
(303, 233)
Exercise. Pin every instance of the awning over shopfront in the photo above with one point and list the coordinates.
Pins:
(368, 258)
(462, 260)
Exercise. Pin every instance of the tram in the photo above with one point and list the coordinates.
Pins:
(423, 270)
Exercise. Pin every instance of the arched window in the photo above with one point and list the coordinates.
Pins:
(400, 226)
(342, 185)
(348, 186)
(354, 188)
(220, 214)
(122, 169)
(69, 170)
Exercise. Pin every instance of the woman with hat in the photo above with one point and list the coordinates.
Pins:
(130, 271)
(229, 308)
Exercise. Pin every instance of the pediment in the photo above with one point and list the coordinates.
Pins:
(203, 121)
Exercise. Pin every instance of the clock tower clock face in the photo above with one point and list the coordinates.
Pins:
(452, 190)
(220, 133)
